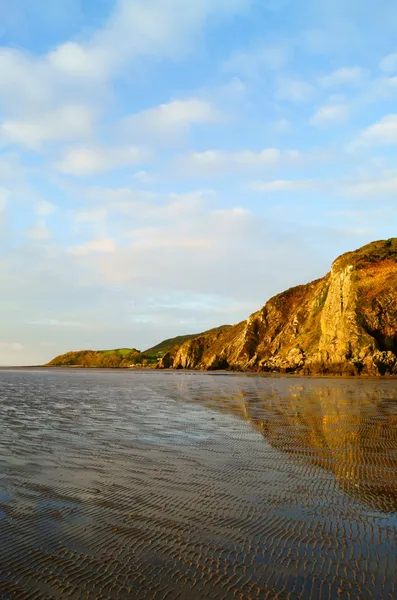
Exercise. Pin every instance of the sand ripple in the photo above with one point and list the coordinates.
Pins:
(171, 486)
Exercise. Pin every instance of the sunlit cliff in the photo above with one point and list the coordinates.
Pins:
(344, 323)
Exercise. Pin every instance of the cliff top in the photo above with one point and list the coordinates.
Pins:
(371, 253)
(165, 346)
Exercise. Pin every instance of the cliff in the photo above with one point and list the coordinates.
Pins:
(344, 323)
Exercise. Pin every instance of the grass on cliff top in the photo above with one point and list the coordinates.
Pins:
(122, 351)
(371, 253)
(124, 357)
(97, 358)
(165, 346)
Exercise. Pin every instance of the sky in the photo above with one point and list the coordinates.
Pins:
(166, 166)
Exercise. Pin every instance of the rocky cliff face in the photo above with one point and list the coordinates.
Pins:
(345, 323)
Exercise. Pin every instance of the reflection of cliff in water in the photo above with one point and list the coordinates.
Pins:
(357, 448)
(348, 428)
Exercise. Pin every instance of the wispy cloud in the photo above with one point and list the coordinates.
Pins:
(169, 121)
(294, 89)
(388, 64)
(330, 114)
(218, 162)
(93, 160)
(65, 123)
(252, 62)
(283, 185)
(60, 323)
(43, 208)
(11, 346)
(39, 231)
(377, 188)
(383, 132)
(345, 76)
(99, 246)
(282, 125)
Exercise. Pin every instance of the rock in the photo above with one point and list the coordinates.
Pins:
(344, 323)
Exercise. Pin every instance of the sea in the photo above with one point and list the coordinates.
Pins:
(166, 485)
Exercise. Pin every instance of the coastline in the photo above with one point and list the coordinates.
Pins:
(264, 374)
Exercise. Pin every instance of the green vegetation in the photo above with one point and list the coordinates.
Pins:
(121, 351)
(161, 349)
(110, 359)
(371, 253)
(322, 298)
(122, 358)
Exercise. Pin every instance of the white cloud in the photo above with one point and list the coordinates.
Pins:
(217, 162)
(11, 346)
(38, 93)
(237, 211)
(143, 177)
(384, 132)
(39, 231)
(91, 215)
(136, 28)
(330, 114)
(170, 120)
(389, 84)
(76, 61)
(155, 27)
(251, 63)
(373, 187)
(388, 64)
(139, 208)
(44, 208)
(99, 246)
(49, 322)
(282, 125)
(153, 238)
(187, 243)
(65, 123)
(283, 185)
(4, 196)
(116, 197)
(94, 160)
(11, 172)
(93, 219)
(294, 89)
(316, 40)
(380, 89)
(344, 76)
(191, 244)
(24, 83)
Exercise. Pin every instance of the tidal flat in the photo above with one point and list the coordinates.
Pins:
(181, 485)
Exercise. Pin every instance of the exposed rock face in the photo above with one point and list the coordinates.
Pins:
(345, 323)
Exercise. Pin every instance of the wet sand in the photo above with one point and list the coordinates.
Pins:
(166, 485)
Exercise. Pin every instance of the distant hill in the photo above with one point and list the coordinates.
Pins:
(113, 359)
(125, 357)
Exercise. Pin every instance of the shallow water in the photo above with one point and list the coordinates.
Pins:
(183, 485)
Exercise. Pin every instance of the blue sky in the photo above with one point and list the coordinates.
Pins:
(167, 166)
